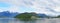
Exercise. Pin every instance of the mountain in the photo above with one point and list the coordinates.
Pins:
(42, 15)
(12, 14)
(8, 14)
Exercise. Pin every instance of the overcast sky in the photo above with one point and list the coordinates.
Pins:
(49, 7)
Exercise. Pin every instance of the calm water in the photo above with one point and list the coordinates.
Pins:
(44, 20)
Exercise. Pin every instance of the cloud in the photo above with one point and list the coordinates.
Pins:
(50, 7)
(13, 9)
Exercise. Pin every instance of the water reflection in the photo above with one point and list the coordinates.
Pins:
(13, 20)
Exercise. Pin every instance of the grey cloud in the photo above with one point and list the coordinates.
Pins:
(44, 6)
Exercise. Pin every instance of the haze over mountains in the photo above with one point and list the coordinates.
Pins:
(8, 14)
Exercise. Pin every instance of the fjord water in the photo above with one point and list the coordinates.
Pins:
(41, 20)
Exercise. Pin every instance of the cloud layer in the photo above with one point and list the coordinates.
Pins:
(49, 7)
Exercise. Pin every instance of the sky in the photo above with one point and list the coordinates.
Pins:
(48, 7)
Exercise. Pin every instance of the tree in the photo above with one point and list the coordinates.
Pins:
(26, 16)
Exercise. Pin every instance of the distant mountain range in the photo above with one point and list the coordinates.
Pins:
(42, 15)
(8, 14)
(12, 14)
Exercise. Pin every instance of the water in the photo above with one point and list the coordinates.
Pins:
(44, 20)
